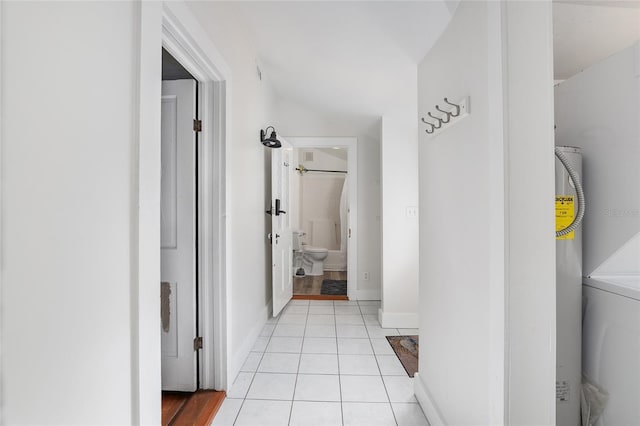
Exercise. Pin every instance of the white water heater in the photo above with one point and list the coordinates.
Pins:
(568, 293)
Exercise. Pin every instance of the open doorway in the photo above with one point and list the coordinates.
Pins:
(322, 205)
(183, 401)
(324, 219)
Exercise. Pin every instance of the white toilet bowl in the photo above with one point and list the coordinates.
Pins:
(313, 259)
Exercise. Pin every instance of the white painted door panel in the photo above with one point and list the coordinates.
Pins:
(281, 226)
(178, 247)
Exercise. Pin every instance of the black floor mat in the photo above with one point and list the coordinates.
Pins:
(334, 287)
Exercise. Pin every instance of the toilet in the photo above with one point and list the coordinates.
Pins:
(312, 257)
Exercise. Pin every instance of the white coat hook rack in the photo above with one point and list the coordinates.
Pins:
(445, 115)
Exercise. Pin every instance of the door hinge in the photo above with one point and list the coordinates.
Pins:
(197, 125)
(197, 343)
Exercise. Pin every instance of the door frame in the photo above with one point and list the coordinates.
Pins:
(173, 26)
(210, 206)
(351, 144)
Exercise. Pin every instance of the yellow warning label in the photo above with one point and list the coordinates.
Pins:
(564, 215)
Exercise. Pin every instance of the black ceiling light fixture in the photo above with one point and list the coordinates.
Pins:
(272, 141)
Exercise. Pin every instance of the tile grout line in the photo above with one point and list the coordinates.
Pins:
(386, 391)
(335, 325)
(319, 351)
(295, 385)
(256, 371)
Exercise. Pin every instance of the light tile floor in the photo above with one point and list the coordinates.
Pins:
(323, 363)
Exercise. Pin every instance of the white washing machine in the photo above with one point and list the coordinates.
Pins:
(611, 344)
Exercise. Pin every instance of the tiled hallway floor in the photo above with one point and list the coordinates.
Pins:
(323, 363)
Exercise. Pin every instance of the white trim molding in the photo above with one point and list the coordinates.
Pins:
(235, 363)
(145, 303)
(2, 398)
(172, 25)
(498, 245)
(188, 43)
(368, 294)
(398, 320)
(426, 402)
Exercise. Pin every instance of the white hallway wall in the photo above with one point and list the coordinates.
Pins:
(249, 192)
(454, 194)
(487, 252)
(68, 208)
(294, 119)
(399, 171)
(599, 111)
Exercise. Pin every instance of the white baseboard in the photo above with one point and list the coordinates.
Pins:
(426, 402)
(367, 294)
(398, 320)
(237, 359)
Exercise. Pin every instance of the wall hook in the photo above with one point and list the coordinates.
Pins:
(447, 113)
(453, 105)
(429, 124)
(436, 118)
(444, 117)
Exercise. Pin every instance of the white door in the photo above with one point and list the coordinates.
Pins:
(281, 253)
(178, 243)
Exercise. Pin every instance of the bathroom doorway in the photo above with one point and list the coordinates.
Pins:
(324, 204)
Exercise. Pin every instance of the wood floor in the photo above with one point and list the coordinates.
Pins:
(310, 286)
(184, 408)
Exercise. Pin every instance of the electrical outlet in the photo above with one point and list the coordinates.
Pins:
(365, 276)
(412, 211)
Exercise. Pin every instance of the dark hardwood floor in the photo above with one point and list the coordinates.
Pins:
(310, 286)
(184, 408)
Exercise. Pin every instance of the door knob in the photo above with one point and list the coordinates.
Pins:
(278, 211)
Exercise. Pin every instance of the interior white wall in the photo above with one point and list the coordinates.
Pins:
(454, 213)
(67, 211)
(598, 110)
(294, 119)
(248, 185)
(399, 171)
(487, 265)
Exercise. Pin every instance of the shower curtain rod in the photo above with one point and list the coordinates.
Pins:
(303, 169)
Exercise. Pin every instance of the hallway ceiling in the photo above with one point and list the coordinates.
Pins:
(343, 56)
(353, 57)
(586, 32)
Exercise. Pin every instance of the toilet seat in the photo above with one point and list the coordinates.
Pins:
(311, 249)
